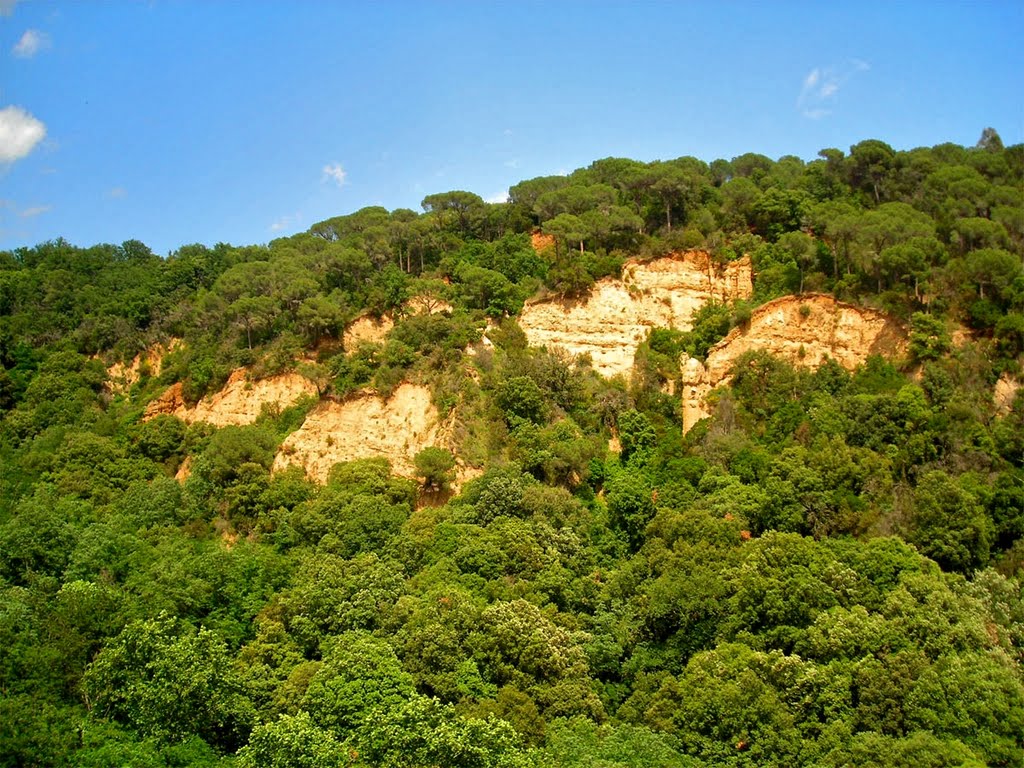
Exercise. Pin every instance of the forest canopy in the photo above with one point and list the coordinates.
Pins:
(827, 571)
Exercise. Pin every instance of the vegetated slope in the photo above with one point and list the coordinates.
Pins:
(122, 376)
(363, 426)
(367, 329)
(825, 572)
(804, 331)
(611, 321)
(240, 401)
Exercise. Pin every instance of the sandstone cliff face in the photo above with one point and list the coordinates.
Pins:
(614, 319)
(122, 376)
(363, 427)
(371, 330)
(239, 402)
(801, 329)
(1005, 393)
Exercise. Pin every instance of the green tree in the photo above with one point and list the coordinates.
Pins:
(166, 680)
(435, 465)
(293, 741)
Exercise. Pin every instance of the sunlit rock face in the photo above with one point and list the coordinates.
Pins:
(803, 330)
(613, 320)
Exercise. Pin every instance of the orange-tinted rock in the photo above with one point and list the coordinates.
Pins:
(803, 330)
(612, 321)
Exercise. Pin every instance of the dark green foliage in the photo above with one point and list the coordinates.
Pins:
(802, 579)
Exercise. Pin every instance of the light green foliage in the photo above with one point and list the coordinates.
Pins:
(163, 679)
(929, 339)
(424, 732)
(330, 595)
(579, 743)
(668, 607)
(360, 676)
(292, 742)
(636, 435)
(435, 465)
(949, 524)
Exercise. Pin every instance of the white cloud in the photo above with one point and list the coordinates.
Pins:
(334, 171)
(19, 133)
(35, 210)
(31, 43)
(117, 193)
(7, 7)
(513, 163)
(284, 222)
(820, 88)
(498, 197)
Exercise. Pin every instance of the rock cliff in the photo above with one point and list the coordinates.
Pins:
(122, 377)
(801, 329)
(239, 402)
(1005, 393)
(611, 322)
(362, 427)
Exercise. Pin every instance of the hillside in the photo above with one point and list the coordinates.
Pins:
(676, 464)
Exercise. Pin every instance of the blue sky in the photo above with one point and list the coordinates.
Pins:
(181, 122)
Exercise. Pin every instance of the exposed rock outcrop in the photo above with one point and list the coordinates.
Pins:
(540, 241)
(612, 321)
(374, 330)
(362, 427)
(1004, 394)
(801, 329)
(239, 402)
(122, 377)
(368, 329)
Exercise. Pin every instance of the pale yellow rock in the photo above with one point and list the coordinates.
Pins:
(373, 330)
(364, 426)
(366, 330)
(122, 376)
(694, 387)
(803, 330)
(1004, 394)
(239, 402)
(612, 321)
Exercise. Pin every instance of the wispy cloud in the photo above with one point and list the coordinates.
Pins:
(334, 172)
(19, 133)
(513, 163)
(35, 210)
(117, 193)
(820, 88)
(284, 222)
(31, 43)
